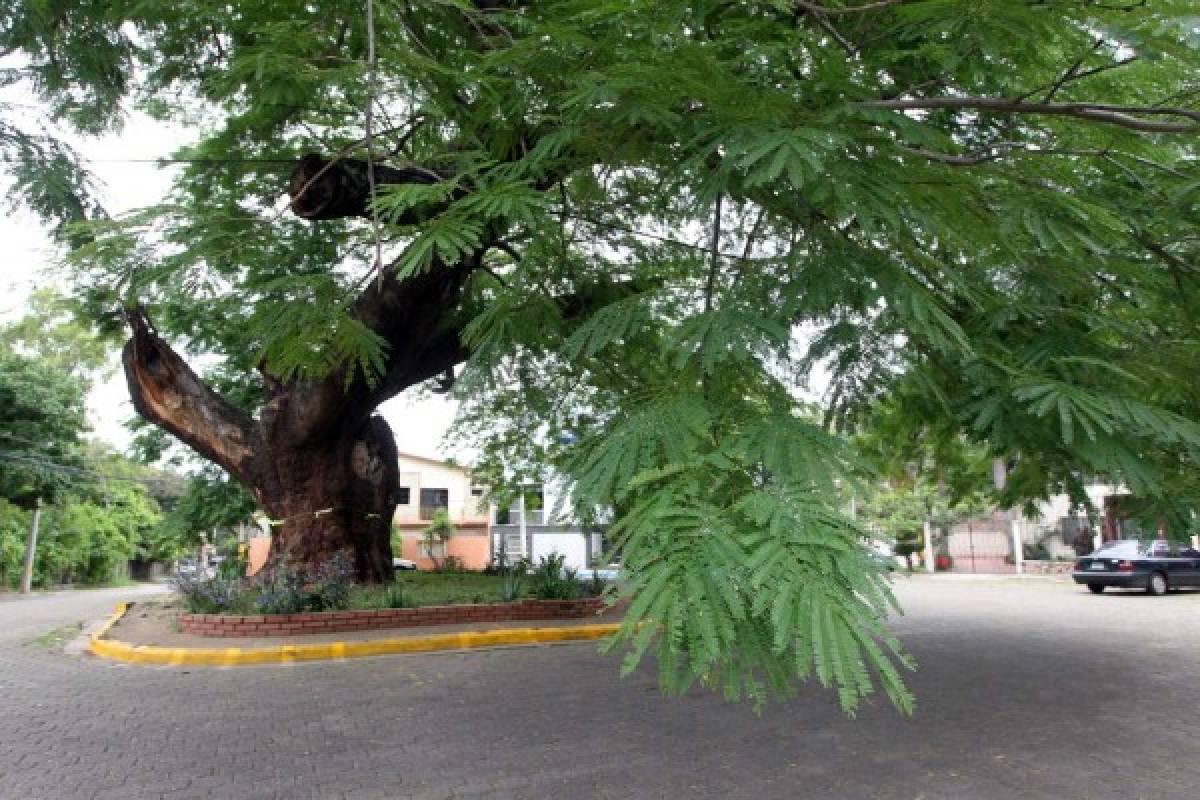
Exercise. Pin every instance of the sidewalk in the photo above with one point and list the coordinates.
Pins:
(990, 576)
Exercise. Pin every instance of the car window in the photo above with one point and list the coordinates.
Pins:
(1121, 548)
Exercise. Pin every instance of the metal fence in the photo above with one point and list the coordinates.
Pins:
(979, 545)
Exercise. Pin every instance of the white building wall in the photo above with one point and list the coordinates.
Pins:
(1059, 506)
(1051, 512)
(572, 546)
(418, 473)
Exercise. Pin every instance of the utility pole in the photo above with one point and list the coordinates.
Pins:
(526, 539)
(929, 566)
(31, 549)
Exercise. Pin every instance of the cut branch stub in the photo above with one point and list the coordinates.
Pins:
(166, 391)
(323, 188)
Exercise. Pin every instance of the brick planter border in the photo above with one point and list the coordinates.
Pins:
(223, 625)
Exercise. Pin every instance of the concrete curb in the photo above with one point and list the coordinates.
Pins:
(331, 651)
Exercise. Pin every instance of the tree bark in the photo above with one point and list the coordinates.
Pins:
(336, 496)
(327, 480)
(337, 188)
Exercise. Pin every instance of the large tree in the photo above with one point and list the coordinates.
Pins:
(609, 222)
(41, 426)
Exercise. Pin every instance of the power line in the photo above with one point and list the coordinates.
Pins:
(167, 160)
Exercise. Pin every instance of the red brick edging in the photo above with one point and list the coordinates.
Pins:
(335, 621)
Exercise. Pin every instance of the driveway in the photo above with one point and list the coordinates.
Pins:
(1027, 689)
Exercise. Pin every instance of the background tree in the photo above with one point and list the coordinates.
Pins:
(40, 429)
(210, 501)
(614, 218)
(54, 333)
(101, 509)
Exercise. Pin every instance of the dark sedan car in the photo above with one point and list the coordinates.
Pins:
(1153, 566)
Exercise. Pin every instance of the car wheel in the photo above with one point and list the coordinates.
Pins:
(1095, 588)
(1157, 584)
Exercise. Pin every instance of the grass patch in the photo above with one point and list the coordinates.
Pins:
(56, 638)
(415, 589)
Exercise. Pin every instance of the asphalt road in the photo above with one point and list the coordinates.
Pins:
(1027, 689)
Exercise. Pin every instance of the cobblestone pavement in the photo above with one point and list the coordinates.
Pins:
(1027, 689)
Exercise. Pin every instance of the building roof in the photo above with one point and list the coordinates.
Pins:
(439, 462)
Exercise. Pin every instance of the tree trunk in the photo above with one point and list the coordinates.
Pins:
(335, 496)
(326, 476)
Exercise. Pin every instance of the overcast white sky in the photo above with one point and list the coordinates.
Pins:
(28, 255)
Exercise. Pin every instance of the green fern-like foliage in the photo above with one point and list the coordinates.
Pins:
(972, 224)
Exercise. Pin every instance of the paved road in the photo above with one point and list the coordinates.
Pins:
(25, 617)
(1027, 690)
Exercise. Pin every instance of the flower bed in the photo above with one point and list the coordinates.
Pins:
(337, 621)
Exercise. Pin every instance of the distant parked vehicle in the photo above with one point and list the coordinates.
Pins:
(1155, 566)
(884, 554)
(188, 566)
(399, 564)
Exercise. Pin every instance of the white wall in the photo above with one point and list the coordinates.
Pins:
(573, 546)
(1058, 506)
(418, 473)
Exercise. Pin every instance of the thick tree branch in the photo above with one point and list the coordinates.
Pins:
(420, 317)
(442, 348)
(323, 188)
(1123, 116)
(168, 393)
(999, 150)
(416, 317)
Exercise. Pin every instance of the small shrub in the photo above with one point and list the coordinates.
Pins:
(278, 591)
(551, 581)
(452, 564)
(285, 589)
(514, 580)
(203, 595)
(595, 585)
(329, 585)
(233, 568)
(434, 538)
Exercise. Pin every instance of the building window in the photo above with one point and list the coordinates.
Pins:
(476, 491)
(403, 495)
(434, 550)
(432, 501)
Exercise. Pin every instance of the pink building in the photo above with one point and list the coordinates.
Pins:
(427, 486)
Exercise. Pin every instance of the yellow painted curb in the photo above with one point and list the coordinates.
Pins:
(289, 653)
